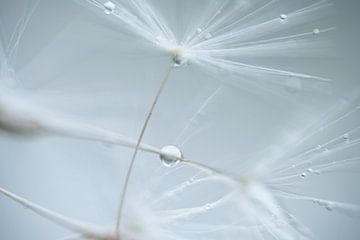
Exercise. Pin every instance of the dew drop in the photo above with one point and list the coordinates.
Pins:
(318, 147)
(283, 17)
(303, 175)
(199, 30)
(310, 170)
(180, 61)
(329, 206)
(109, 7)
(170, 155)
(316, 31)
(208, 206)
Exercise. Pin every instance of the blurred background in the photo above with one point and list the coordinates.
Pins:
(75, 61)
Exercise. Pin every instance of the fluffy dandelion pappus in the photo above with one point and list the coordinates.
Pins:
(226, 168)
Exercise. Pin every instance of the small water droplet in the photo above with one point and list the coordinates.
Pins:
(283, 17)
(191, 180)
(199, 30)
(329, 206)
(170, 155)
(208, 206)
(180, 62)
(346, 137)
(109, 7)
(316, 31)
(310, 170)
(207, 36)
(318, 147)
(303, 175)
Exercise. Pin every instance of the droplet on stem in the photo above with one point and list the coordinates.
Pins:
(316, 31)
(109, 7)
(283, 17)
(170, 155)
(303, 175)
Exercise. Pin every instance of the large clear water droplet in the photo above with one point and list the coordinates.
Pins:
(180, 61)
(109, 7)
(170, 155)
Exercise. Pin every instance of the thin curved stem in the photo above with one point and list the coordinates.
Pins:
(123, 194)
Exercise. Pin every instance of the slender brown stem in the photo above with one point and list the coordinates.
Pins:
(123, 194)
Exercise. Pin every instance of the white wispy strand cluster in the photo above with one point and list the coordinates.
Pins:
(229, 34)
(186, 198)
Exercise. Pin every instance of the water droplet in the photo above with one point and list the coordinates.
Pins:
(283, 17)
(310, 170)
(329, 206)
(180, 62)
(178, 58)
(208, 206)
(316, 31)
(318, 147)
(303, 175)
(293, 85)
(191, 180)
(207, 36)
(199, 30)
(109, 7)
(170, 155)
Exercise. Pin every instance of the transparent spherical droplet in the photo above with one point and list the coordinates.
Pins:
(283, 17)
(199, 30)
(310, 170)
(303, 175)
(170, 155)
(293, 85)
(318, 147)
(316, 31)
(109, 7)
(180, 61)
(207, 36)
